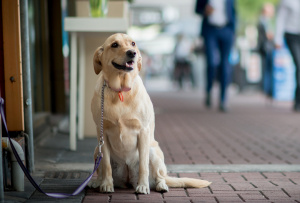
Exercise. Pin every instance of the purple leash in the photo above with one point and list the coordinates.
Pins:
(55, 195)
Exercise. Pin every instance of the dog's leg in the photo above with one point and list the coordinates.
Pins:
(107, 180)
(143, 148)
(96, 183)
(158, 168)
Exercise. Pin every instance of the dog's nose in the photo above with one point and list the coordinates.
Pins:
(131, 53)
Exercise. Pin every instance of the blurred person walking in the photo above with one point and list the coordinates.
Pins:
(265, 44)
(218, 30)
(288, 28)
(183, 67)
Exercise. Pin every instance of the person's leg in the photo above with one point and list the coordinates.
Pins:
(176, 72)
(191, 74)
(265, 77)
(185, 69)
(225, 44)
(293, 42)
(267, 62)
(181, 74)
(210, 47)
(270, 81)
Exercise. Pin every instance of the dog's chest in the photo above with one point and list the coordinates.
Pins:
(123, 136)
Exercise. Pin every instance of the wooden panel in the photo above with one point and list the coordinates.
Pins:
(12, 65)
(2, 92)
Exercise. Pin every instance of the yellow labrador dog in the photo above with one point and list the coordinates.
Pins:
(131, 156)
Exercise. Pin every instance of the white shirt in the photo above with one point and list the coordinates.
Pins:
(219, 15)
(183, 48)
(288, 19)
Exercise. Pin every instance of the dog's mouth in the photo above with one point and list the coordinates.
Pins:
(126, 67)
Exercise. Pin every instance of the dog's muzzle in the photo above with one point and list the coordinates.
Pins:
(128, 66)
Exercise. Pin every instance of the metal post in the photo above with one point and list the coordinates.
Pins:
(73, 92)
(1, 171)
(27, 84)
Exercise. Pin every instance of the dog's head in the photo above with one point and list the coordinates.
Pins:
(117, 57)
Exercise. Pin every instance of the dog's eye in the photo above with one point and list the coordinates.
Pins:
(133, 44)
(114, 45)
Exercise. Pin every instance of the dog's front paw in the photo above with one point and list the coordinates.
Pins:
(107, 187)
(142, 189)
(94, 184)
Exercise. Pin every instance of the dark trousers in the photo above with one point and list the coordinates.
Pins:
(219, 40)
(267, 66)
(183, 68)
(293, 43)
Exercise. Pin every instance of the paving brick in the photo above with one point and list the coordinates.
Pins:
(233, 177)
(274, 175)
(118, 196)
(178, 192)
(198, 191)
(234, 198)
(204, 200)
(123, 201)
(221, 187)
(282, 183)
(92, 199)
(294, 192)
(177, 199)
(154, 196)
(276, 195)
(254, 176)
(265, 186)
(243, 186)
(213, 177)
(253, 197)
(294, 175)
(189, 175)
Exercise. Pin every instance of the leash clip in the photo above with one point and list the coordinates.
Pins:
(101, 143)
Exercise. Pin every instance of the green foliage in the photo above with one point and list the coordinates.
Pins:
(249, 10)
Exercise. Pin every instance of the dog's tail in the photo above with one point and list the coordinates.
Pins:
(186, 182)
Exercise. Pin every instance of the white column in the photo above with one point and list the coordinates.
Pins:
(81, 87)
(73, 91)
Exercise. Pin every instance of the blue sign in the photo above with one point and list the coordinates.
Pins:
(284, 75)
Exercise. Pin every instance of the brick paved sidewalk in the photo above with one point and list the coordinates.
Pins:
(253, 132)
(226, 187)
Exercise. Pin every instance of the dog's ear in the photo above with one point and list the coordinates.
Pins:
(96, 60)
(139, 62)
